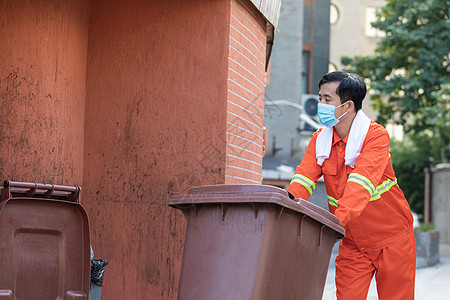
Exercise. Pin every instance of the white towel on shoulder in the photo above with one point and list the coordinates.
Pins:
(358, 132)
(323, 144)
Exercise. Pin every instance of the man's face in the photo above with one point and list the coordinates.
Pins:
(327, 95)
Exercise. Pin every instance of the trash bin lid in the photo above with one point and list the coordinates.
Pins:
(252, 193)
(236, 188)
(45, 241)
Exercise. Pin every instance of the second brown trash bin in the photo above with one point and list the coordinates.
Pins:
(254, 242)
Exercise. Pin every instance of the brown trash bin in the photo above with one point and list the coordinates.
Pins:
(44, 243)
(254, 242)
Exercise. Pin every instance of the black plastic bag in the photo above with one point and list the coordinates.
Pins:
(97, 268)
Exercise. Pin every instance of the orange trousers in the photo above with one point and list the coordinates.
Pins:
(394, 268)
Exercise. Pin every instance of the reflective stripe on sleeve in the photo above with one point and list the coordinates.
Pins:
(332, 201)
(381, 189)
(358, 178)
(305, 181)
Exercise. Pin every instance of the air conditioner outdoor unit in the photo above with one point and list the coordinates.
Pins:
(309, 103)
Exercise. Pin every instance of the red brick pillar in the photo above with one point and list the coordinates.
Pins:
(245, 98)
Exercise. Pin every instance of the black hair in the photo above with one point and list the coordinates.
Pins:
(351, 86)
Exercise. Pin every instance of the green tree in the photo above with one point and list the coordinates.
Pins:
(411, 61)
(422, 148)
(408, 79)
(409, 162)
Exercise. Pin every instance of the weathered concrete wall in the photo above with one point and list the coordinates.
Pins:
(285, 77)
(320, 43)
(440, 199)
(155, 125)
(42, 89)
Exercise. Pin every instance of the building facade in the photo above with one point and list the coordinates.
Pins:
(298, 61)
(352, 34)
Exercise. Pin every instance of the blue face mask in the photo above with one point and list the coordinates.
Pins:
(326, 114)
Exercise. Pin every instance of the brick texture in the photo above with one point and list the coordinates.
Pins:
(245, 98)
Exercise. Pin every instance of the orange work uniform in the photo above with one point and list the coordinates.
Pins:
(372, 208)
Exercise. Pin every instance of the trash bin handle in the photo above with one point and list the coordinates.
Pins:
(320, 235)
(299, 226)
(33, 187)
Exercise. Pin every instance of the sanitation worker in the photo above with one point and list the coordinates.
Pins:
(351, 153)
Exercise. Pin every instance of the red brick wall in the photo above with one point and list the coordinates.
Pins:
(245, 99)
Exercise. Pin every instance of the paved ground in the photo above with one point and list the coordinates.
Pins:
(432, 283)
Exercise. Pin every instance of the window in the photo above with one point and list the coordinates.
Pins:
(334, 14)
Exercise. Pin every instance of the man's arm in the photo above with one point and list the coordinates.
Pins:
(307, 173)
(363, 180)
